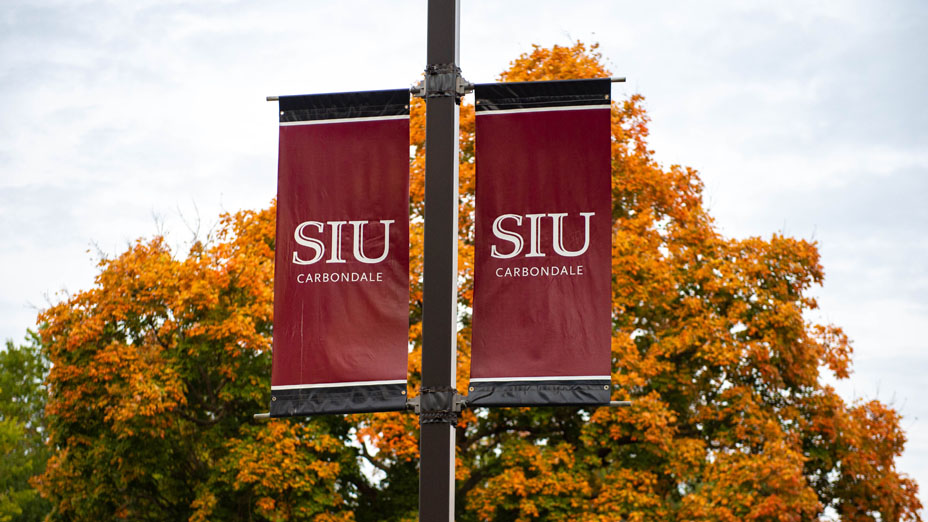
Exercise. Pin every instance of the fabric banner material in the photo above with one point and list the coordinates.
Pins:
(342, 254)
(542, 298)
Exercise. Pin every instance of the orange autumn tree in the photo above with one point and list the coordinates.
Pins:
(156, 373)
(158, 368)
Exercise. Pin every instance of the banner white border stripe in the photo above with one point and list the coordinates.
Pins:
(551, 378)
(336, 384)
(544, 109)
(343, 120)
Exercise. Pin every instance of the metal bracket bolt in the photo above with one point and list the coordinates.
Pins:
(437, 405)
(442, 80)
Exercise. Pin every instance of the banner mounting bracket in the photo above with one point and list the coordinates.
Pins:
(442, 80)
(437, 405)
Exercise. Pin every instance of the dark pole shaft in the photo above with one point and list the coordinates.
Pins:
(439, 318)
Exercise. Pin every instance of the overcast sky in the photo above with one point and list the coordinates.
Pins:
(122, 119)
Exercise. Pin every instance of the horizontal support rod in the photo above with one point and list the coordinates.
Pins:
(416, 89)
(460, 403)
(413, 404)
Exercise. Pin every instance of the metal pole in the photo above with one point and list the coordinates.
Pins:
(439, 317)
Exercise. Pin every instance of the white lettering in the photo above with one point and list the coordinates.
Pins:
(314, 244)
(336, 242)
(535, 235)
(558, 234)
(359, 241)
(302, 238)
(537, 271)
(506, 235)
(340, 277)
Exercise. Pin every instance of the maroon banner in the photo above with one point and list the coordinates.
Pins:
(342, 254)
(542, 298)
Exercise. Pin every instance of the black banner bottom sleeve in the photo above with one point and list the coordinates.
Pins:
(343, 399)
(535, 393)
